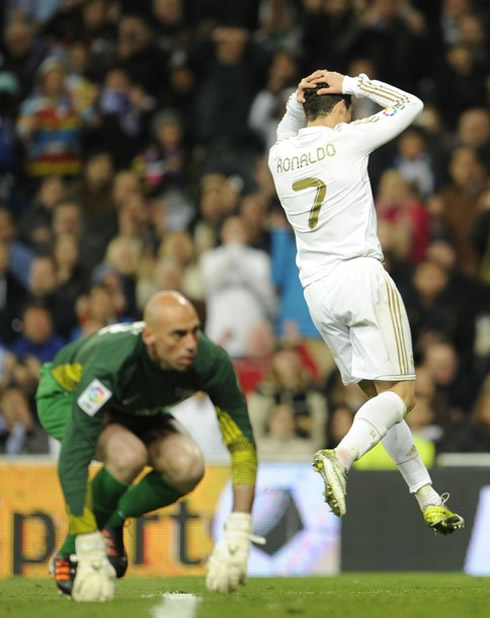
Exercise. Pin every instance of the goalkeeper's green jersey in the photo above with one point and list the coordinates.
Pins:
(112, 371)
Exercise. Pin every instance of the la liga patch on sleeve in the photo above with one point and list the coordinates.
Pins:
(94, 397)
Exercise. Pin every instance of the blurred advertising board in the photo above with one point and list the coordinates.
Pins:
(302, 537)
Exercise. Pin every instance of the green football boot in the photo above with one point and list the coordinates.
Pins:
(441, 519)
(334, 476)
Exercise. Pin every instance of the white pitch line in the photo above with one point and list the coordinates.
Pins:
(176, 605)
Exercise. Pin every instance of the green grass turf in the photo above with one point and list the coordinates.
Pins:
(356, 595)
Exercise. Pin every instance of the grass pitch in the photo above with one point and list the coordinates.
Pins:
(356, 595)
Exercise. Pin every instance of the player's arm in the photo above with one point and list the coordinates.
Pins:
(227, 565)
(233, 419)
(78, 450)
(294, 119)
(400, 110)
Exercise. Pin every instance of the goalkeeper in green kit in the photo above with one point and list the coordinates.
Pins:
(104, 398)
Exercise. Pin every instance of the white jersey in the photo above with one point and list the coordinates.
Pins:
(321, 177)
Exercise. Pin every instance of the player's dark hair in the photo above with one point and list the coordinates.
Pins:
(317, 105)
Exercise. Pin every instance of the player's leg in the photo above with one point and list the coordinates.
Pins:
(400, 445)
(365, 325)
(336, 336)
(54, 409)
(124, 456)
(177, 467)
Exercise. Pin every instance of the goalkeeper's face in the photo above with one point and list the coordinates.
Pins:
(172, 340)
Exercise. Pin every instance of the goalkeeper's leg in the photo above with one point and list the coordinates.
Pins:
(178, 467)
(124, 456)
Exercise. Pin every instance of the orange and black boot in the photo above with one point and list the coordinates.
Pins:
(64, 570)
(116, 553)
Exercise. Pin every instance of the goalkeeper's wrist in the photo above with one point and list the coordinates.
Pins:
(240, 524)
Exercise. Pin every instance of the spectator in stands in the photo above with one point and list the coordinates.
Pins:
(436, 313)
(279, 440)
(107, 275)
(268, 105)
(43, 289)
(398, 203)
(93, 190)
(454, 391)
(20, 433)
(180, 246)
(456, 210)
(459, 84)
(231, 67)
(67, 219)
(473, 130)
(35, 226)
(12, 299)
(473, 434)
(339, 422)
(239, 291)
(252, 368)
(162, 166)
(9, 147)
(95, 310)
(330, 34)
(217, 199)
(138, 54)
(414, 162)
(49, 126)
(288, 384)
(70, 274)
(20, 257)
(38, 339)
(124, 107)
(22, 53)
(101, 227)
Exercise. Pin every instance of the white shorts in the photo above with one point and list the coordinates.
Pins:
(361, 316)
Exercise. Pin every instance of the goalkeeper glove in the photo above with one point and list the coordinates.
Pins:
(227, 565)
(95, 578)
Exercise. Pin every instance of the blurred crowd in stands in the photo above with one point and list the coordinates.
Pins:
(133, 147)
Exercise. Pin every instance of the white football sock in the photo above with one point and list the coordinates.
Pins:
(427, 496)
(400, 446)
(371, 423)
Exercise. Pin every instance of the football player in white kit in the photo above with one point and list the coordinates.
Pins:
(319, 166)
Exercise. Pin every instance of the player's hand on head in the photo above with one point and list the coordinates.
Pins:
(310, 81)
(334, 81)
(95, 578)
(227, 565)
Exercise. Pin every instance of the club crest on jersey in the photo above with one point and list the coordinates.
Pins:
(94, 397)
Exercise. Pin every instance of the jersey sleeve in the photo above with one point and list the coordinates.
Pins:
(399, 111)
(89, 400)
(231, 408)
(293, 120)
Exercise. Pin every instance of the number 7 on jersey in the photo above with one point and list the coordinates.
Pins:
(321, 192)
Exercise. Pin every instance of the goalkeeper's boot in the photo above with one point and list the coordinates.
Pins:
(334, 475)
(63, 569)
(115, 549)
(441, 519)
